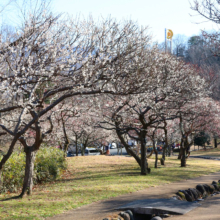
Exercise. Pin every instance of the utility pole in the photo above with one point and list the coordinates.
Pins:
(165, 40)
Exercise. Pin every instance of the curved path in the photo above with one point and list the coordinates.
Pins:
(208, 211)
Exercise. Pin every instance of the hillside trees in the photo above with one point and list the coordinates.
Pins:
(201, 139)
(193, 118)
(209, 10)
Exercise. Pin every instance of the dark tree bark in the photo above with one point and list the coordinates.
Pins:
(127, 147)
(10, 150)
(77, 137)
(183, 157)
(215, 142)
(1, 183)
(30, 152)
(156, 154)
(144, 164)
(142, 161)
(66, 144)
(29, 171)
(77, 150)
(84, 144)
(162, 161)
(166, 138)
(183, 149)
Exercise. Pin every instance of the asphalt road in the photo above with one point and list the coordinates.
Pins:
(113, 152)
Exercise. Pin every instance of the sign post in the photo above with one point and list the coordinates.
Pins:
(169, 36)
(165, 40)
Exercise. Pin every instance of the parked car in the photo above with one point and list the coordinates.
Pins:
(92, 151)
(72, 148)
(70, 154)
(113, 145)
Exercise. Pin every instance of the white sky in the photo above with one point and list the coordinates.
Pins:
(157, 14)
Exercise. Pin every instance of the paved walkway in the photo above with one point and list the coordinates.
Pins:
(97, 211)
(206, 157)
(209, 210)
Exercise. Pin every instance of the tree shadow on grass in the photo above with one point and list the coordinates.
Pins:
(11, 198)
(101, 176)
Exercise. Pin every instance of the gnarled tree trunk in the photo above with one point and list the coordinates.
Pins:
(29, 171)
(127, 147)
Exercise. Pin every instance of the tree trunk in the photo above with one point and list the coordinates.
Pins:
(82, 150)
(151, 153)
(76, 142)
(216, 143)
(29, 171)
(156, 159)
(164, 152)
(144, 164)
(156, 154)
(10, 151)
(127, 147)
(180, 152)
(183, 149)
(166, 143)
(1, 183)
(183, 157)
(66, 146)
(169, 150)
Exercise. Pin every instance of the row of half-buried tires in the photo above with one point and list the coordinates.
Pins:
(200, 192)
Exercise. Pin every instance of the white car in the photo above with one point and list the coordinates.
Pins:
(113, 145)
(92, 151)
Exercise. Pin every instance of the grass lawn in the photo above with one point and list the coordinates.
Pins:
(213, 152)
(94, 178)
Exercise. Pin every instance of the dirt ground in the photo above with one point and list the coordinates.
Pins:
(209, 210)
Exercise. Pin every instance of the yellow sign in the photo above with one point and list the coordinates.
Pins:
(169, 34)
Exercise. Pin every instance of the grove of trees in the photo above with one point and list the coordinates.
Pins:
(89, 81)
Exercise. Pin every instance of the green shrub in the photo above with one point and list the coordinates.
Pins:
(49, 165)
(201, 139)
(13, 173)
